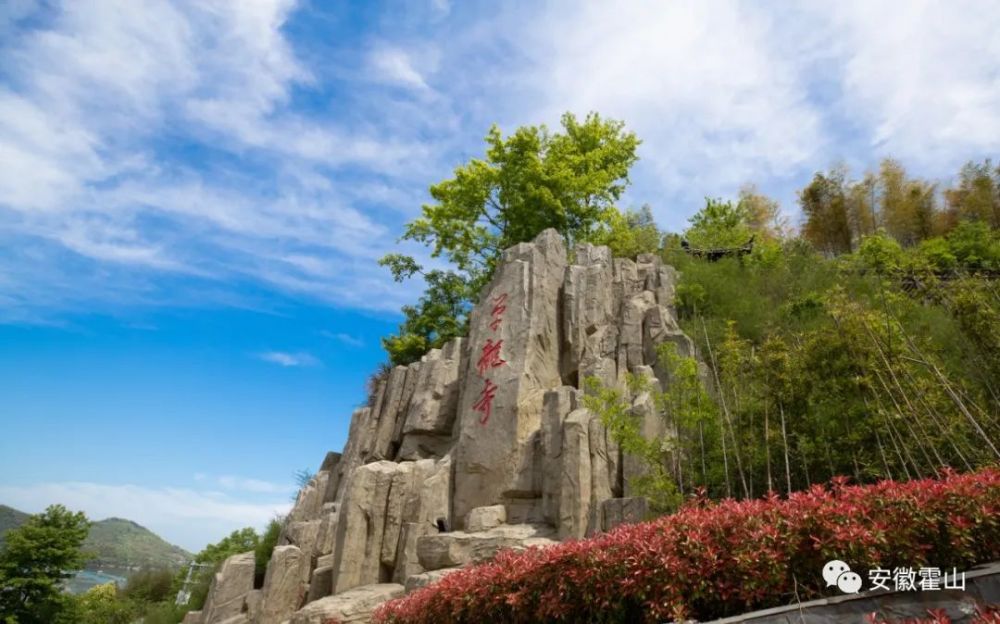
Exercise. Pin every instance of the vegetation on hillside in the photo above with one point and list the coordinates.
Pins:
(877, 356)
(113, 542)
(123, 543)
(10, 518)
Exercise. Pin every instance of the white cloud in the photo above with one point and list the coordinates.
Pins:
(189, 518)
(304, 198)
(727, 92)
(924, 79)
(286, 359)
(703, 84)
(92, 93)
(394, 66)
(347, 339)
(245, 484)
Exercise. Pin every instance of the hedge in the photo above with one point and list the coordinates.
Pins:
(712, 560)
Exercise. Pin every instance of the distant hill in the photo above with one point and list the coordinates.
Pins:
(10, 518)
(114, 542)
(122, 543)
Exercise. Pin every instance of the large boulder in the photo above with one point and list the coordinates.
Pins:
(485, 518)
(350, 607)
(514, 339)
(284, 588)
(485, 431)
(427, 578)
(575, 490)
(446, 550)
(427, 505)
(229, 589)
(435, 395)
(605, 482)
(391, 410)
(361, 525)
(589, 329)
(557, 405)
(309, 502)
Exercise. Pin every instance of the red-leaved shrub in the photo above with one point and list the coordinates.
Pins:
(716, 559)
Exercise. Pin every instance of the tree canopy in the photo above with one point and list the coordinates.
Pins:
(36, 558)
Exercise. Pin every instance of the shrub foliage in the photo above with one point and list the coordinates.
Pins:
(712, 560)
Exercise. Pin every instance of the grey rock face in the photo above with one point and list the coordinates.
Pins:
(427, 578)
(514, 338)
(484, 518)
(575, 490)
(361, 525)
(192, 617)
(446, 550)
(350, 607)
(435, 395)
(229, 589)
(557, 405)
(589, 330)
(284, 588)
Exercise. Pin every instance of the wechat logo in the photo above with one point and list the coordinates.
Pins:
(838, 573)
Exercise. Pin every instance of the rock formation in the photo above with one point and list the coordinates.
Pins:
(482, 445)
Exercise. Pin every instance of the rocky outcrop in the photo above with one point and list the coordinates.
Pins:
(229, 589)
(351, 606)
(285, 585)
(458, 548)
(482, 445)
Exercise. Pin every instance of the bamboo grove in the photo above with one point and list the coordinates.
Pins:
(878, 362)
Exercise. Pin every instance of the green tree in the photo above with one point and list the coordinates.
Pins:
(239, 541)
(36, 558)
(719, 224)
(101, 605)
(685, 456)
(824, 204)
(529, 181)
(265, 548)
(762, 214)
(977, 196)
(628, 233)
(439, 315)
(861, 212)
(908, 208)
(150, 585)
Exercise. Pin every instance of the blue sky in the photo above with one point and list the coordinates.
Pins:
(193, 195)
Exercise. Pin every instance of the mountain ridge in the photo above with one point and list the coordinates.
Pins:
(114, 542)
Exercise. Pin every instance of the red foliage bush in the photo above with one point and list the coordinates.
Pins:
(716, 559)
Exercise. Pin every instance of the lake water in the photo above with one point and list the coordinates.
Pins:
(85, 579)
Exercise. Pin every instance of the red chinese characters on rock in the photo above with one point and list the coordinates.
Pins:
(499, 307)
(485, 402)
(490, 356)
(489, 359)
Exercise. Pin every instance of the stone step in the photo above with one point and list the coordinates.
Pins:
(354, 606)
(448, 550)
